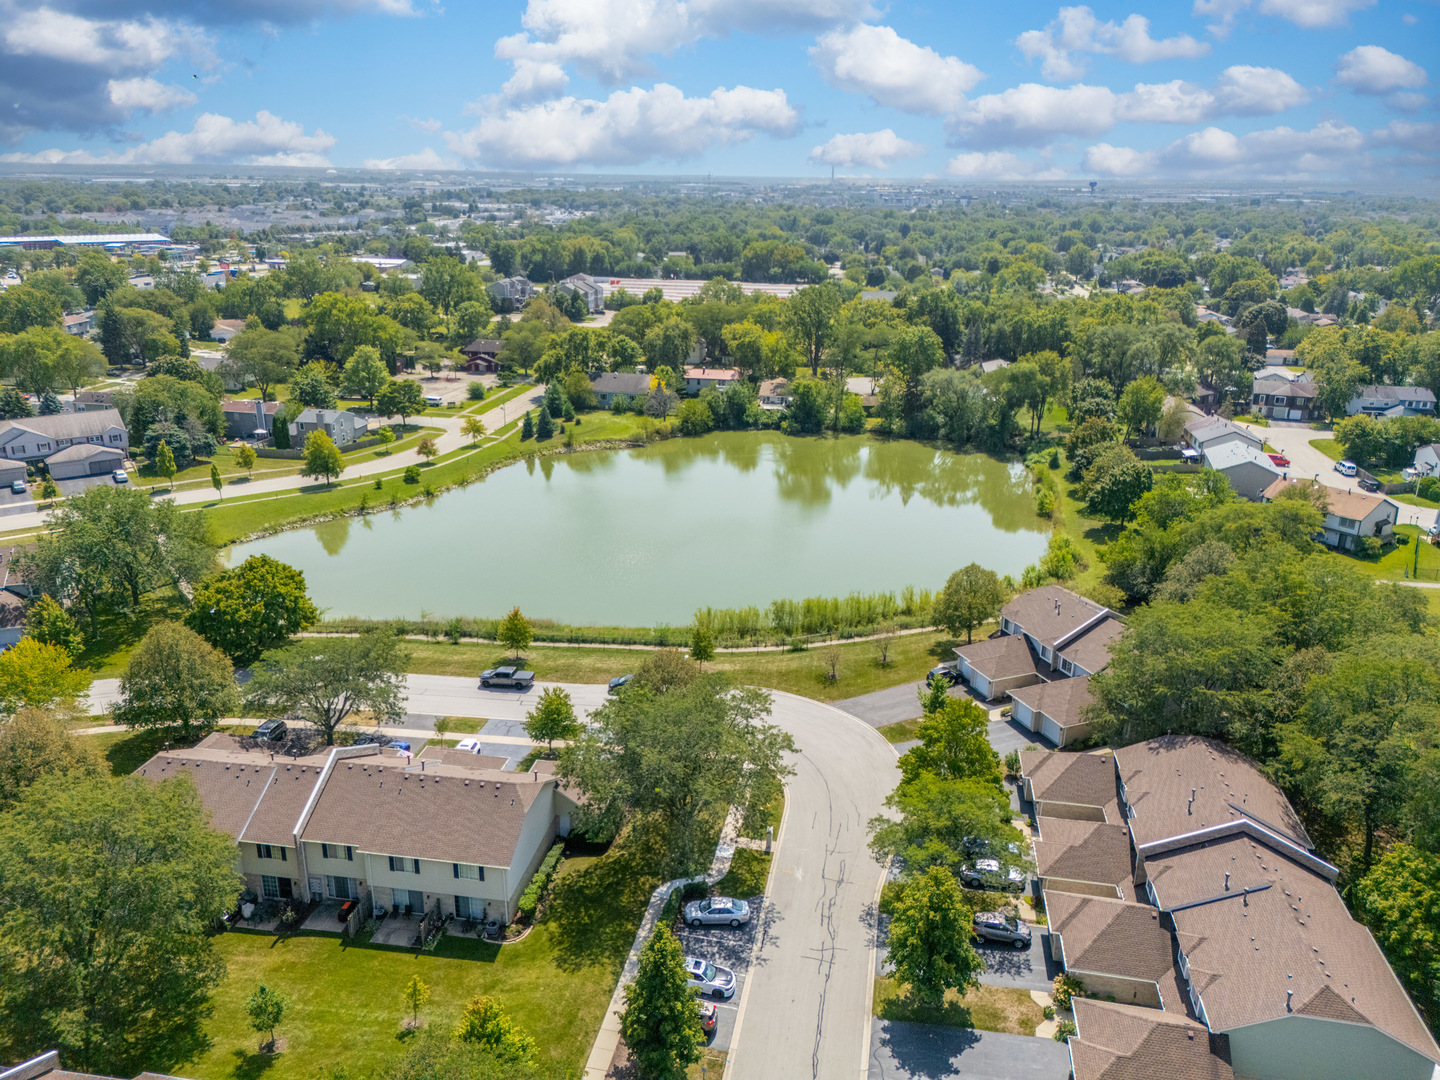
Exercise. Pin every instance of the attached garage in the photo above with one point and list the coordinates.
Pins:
(1052, 731)
(85, 459)
(10, 471)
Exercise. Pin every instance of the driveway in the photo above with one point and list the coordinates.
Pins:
(805, 1011)
(892, 705)
(1029, 969)
(923, 1052)
(733, 949)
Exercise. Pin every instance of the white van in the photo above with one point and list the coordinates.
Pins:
(434, 401)
(1346, 468)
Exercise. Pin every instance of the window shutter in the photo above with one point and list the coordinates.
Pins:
(283, 857)
(349, 854)
(455, 868)
(482, 873)
(417, 865)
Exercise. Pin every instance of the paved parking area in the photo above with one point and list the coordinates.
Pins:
(1029, 969)
(892, 705)
(901, 1051)
(1006, 735)
(730, 948)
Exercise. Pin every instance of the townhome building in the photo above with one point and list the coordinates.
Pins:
(1392, 401)
(1278, 398)
(342, 426)
(1349, 515)
(72, 444)
(1226, 950)
(1205, 432)
(587, 288)
(359, 823)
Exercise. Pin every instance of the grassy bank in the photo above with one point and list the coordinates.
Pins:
(1005, 1009)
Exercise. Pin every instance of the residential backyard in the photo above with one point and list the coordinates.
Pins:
(345, 1016)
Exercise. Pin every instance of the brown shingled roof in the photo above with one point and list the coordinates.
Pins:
(1160, 775)
(1091, 650)
(1062, 700)
(1079, 779)
(285, 797)
(1001, 657)
(1357, 505)
(448, 813)
(1050, 613)
(1089, 851)
(230, 795)
(1290, 932)
(1123, 1042)
(1110, 937)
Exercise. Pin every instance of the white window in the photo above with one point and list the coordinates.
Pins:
(469, 873)
(270, 886)
(404, 866)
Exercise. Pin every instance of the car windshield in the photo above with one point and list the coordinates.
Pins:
(708, 972)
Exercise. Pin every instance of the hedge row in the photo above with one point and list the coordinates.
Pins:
(530, 898)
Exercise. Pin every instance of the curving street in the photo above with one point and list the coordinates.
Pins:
(805, 1010)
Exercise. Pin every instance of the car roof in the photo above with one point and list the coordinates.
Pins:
(695, 964)
(987, 864)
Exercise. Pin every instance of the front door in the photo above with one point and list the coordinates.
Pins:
(416, 901)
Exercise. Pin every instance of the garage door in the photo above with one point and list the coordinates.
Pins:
(1051, 730)
(101, 466)
(1296, 414)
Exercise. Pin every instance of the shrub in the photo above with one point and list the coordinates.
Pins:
(1045, 502)
(1048, 1012)
(530, 898)
(1064, 1030)
(1012, 764)
(1054, 458)
(412, 474)
(1367, 547)
(1065, 988)
(1428, 488)
(476, 392)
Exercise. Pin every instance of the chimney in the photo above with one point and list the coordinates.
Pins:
(1288, 995)
(1190, 806)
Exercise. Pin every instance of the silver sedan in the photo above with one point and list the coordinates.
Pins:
(717, 911)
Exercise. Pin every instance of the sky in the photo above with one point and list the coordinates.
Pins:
(1274, 91)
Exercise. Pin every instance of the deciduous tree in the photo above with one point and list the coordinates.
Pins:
(265, 1009)
(661, 1024)
(322, 457)
(930, 939)
(971, 597)
(515, 632)
(176, 679)
(954, 744)
(552, 718)
(328, 680)
(36, 743)
(38, 675)
(251, 608)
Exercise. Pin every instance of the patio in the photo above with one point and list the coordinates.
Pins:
(397, 930)
(325, 918)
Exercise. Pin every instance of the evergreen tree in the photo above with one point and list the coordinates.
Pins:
(661, 1024)
(527, 429)
(13, 406)
(281, 431)
(545, 425)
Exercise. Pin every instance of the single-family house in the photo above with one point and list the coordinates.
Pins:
(226, 330)
(586, 287)
(1249, 471)
(607, 384)
(987, 366)
(94, 400)
(248, 418)
(359, 823)
(80, 323)
(511, 292)
(43, 438)
(13, 593)
(1392, 401)
(1279, 398)
(775, 394)
(342, 427)
(702, 378)
(1203, 432)
(482, 356)
(1349, 515)
(1427, 460)
(1235, 933)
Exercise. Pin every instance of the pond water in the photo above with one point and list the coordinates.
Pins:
(645, 537)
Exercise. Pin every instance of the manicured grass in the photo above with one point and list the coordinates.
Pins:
(344, 1007)
(748, 873)
(1414, 500)
(1400, 558)
(109, 641)
(900, 732)
(462, 725)
(498, 397)
(768, 816)
(1005, 1009)
(804, 673)
(1329, 447)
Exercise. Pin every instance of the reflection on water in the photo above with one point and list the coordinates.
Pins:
(638, 537)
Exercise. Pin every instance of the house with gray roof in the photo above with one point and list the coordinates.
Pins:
(1203, 432)
(609, 383)
(1249, 471)
(342, 426)
(40, 438)
(587, 288)
(1392, 401)
(1279, 398)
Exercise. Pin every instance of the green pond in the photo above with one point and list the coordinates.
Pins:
(645, 537)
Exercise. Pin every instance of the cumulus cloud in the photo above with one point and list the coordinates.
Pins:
(1031, 114)
(613, 40)
(1077, 30)
(865, 150)
(1304, 13)
(1331, 148)
(1421, 137)
(424, 160)
(891, 70)
(627, 128)
(144, 94)
(1370, 69)
(1239, 91)
(1000, 165)
(214, 139)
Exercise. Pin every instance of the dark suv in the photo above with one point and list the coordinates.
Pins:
(273, 731)
(1001, 927)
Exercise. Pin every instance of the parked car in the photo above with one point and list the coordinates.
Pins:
(120, 476)
(1434, 531)
(1001, 927)
(709, 1016)
(710, 979)
(986, 874)
(1366, 484)
(947, 673)
(618, 682)
(434, 400)
(717, 911)
(18, 487)
(1346, 468)
(271, 731)
(1281, 460)
(470, 746)
(375, 738)
(507, 676)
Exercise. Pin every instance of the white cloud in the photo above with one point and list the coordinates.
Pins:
(1308, 14)
(424, 160)
(1370, 69)
(147, 94)
(534, 80)
(612, 40)
(891, 70)
(1077, 30)
(266, 140)
(1407, 102)
(1031, 114)
(627, 128)
(1422, 137)
(999, 165)
(1239, 91)
(115, 45)
(1331, 148)
(865, 150)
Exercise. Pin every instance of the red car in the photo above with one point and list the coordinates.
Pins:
(1281, 460)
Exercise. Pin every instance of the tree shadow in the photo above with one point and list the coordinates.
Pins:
(1103, 534)
(594, 912)
(253, 1065)
(925, 1053)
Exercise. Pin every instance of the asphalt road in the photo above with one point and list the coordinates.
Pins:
(806, 1009)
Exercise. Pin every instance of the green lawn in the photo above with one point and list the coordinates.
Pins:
(748, 874)
(498, 397)
(804, 673)
(1329, 447)
(903, 731)
(1400, 558)
(1414, 500)
(344, 1007)
(1004, 1009)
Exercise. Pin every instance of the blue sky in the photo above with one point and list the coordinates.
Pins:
(1241, 90)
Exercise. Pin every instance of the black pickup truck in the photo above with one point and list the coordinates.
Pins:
(507, 676)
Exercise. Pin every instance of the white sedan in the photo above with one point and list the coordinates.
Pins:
(710, 979)
(717, 911)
